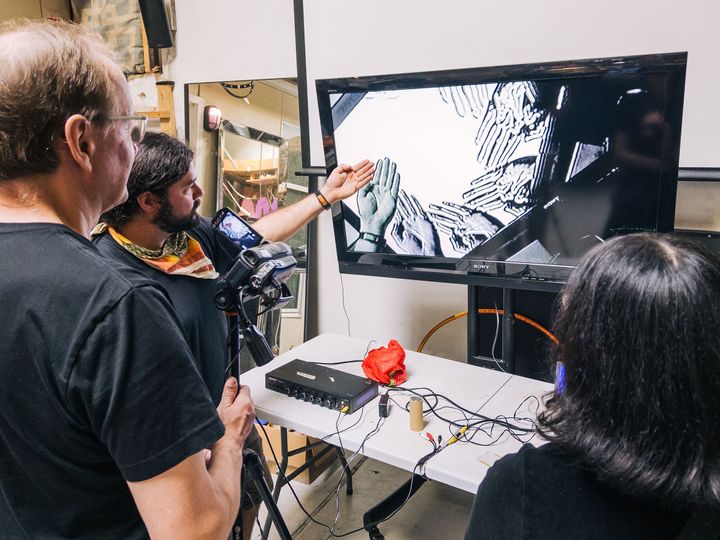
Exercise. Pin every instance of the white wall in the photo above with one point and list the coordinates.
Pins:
(252, 39)
(231, 40)
(377, 36)
(425, 35)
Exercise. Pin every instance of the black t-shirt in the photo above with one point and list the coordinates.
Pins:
(193, 299)
(541, 493)
(97, 387)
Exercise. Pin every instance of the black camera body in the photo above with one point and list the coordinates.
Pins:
(260, 271)
(257, 272)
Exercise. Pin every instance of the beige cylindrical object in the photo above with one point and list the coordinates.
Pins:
(417, 422)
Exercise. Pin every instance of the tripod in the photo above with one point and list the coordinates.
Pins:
(241, 328)
(252, 467)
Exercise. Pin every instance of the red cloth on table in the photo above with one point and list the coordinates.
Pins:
(386, 365)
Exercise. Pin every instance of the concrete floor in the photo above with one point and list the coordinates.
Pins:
(435, 511)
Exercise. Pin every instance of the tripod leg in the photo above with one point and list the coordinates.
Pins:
(254, 470)
(348, 472)
(239, 525)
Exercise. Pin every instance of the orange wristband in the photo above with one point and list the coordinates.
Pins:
(323, 201)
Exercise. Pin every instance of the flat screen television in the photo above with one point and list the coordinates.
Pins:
(511, 171)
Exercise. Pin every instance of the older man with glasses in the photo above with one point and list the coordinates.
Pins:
(104, 419)
(137, 125)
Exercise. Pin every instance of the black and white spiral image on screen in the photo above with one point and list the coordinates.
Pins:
(532, 171)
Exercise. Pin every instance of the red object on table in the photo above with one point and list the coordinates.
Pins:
(386, 365)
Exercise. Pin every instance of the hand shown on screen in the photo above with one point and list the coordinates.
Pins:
(378, 198)
(346, 180)
(468, 100)
(508, 187)
(513, 117)
(413, 231)
(466, 228)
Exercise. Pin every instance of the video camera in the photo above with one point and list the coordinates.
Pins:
(258, 272)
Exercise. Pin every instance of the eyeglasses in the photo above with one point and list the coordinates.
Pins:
(137, 127)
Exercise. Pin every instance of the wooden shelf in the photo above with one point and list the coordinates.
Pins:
(263, 181)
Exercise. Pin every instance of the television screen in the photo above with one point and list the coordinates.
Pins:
(530, 165)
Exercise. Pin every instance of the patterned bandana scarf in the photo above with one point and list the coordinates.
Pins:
(181, 254)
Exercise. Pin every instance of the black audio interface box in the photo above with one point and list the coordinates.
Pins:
(322, 385)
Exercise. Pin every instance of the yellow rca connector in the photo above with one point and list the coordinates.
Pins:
(457, 435)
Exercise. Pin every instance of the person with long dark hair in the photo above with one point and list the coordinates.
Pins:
(634, 430)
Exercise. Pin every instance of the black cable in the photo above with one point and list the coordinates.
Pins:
(342, 292)
(236, 358)
(287, 482)
(437, 448)
(274, 301)
(342, 475)
(512, 430)
(367, 350)
(367, 437)
(515, 414)
(337, 430)
(295, 495)
(441, 396)
(483, 423)
(336, 363)
(495, 339)
(311, 518)
(415, 392)
(250, 85)
(343, 430)
(378, 522)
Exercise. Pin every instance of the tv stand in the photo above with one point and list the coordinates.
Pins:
(483, 286)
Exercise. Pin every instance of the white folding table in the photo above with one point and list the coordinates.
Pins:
(462, 465)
